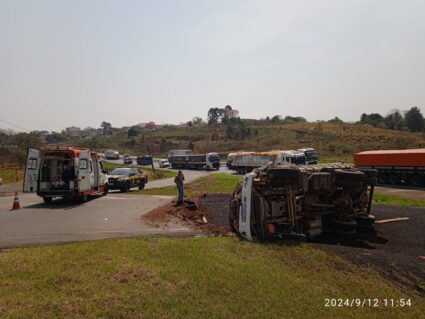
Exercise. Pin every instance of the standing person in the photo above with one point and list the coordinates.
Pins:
(178, 180)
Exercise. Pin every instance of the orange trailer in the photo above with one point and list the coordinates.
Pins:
(395, 167)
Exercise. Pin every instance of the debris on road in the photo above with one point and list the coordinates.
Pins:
(192, 213)
(391, 220)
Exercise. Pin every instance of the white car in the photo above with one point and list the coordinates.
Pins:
(164, 163)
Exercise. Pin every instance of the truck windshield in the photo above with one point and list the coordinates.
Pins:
(311, 155)
(298, 160)
(214, 158)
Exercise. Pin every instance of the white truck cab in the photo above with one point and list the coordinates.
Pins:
(64, 172)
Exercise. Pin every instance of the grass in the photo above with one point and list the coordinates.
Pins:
(11, 175)
(383, 199)
(211, 184)
(187, 278)
(159, 173)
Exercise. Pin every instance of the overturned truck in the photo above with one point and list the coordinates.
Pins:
(299, 202)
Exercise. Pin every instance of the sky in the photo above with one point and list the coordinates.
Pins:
(81, 62)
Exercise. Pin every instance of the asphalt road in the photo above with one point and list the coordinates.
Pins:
(115, 215)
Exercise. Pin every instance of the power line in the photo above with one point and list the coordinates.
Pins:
(15, 125)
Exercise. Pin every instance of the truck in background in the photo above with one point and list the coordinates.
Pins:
(244, 162)
(144, 160)
(311, 157)
(395, 167)
(64, 172)
(208, 161)
(112, 155)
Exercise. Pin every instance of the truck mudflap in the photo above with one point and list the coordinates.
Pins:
(302, 202)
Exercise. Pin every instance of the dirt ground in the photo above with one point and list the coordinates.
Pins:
(204, 219)
(396, 251)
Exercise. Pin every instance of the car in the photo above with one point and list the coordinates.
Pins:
(125, 178)
(128, 160)
(164, 163)
(144, 160)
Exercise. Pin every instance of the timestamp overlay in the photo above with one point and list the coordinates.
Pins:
(368, 302)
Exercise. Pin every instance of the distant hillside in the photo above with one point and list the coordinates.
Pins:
(334, 141)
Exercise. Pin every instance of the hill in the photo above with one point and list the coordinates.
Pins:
(334, 141)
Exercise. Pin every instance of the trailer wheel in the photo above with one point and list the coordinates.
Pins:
(394, 179)
(382, 178)
(416, 181)
(47, 200)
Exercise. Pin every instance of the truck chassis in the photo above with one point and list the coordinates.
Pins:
(302, 202)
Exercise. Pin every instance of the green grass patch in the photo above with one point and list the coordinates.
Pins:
(211, 184)
(11, 175)
(188, 278)
(383, 199)
(159, 173)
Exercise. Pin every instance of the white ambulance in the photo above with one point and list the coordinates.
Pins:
(64, 172)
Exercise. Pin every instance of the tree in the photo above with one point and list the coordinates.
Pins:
(212, 116)
(374, 119)
(276, 119)
(132, 132)
(414, 119)
(197, 121)
(337, 120)
(394, 121)
(106, 128)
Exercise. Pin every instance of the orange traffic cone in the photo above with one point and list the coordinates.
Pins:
(16, 202)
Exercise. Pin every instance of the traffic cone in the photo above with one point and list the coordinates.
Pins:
(16, 202)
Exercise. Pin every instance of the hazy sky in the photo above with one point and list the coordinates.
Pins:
(73, 62)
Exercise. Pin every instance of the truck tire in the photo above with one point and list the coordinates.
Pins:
(350, 175)
(342, 227)
(382, 178)
(346, 184)
(394, 179)
(47, 200)
(416, 181)
(366, 229)
(365, 220)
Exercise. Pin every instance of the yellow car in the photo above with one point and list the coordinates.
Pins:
(125, 178)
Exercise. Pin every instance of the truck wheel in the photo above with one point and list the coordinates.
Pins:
(382, 178)
(47, 200)
(394, 179)
(416, 181)
(350, 175)
(342, 227)
(84, 198)
(142, 185)
(348, 184)
(365, 220)
(366, 229)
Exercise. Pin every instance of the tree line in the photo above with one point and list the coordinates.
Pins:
(411, 120)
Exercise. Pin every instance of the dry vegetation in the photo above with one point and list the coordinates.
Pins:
(334, 141)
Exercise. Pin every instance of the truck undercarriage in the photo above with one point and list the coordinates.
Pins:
(286, 201)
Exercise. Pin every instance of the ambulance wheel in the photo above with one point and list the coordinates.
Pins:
(47, 200)
(105, 189)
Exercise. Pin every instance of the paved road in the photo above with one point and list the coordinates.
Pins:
(116, 215)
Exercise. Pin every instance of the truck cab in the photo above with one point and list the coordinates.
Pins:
(213, 161)
(64, 172)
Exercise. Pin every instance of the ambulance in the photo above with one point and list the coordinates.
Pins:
(64, 172)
